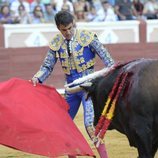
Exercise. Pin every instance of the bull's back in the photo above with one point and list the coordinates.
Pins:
(144, 80)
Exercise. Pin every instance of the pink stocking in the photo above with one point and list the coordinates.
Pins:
(71, 156)
(102, 151)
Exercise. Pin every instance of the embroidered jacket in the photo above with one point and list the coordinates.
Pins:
(84, 46)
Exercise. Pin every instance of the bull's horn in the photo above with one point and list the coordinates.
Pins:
(77, 88)
(91, 76)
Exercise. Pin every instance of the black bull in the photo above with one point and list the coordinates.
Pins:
(136, 113)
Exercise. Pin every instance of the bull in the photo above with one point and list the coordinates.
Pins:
(136, 110)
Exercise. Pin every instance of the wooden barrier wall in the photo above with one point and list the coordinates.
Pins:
(1, 36)
(24, 62)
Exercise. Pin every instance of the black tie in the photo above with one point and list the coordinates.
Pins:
(68, 47)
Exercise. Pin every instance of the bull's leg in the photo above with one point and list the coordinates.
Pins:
(142, 133)
(144, 150)
(154, 147)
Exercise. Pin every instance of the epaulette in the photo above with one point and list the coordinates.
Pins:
(56, 42)
(85, 37)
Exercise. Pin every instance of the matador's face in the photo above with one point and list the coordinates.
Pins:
(68, 31)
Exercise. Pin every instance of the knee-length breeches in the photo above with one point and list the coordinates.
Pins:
(74, 101)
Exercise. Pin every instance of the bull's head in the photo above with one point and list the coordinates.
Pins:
(93, 92)
(91, 89)
(91, 84)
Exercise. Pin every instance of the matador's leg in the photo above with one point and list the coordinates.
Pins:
(88, 121)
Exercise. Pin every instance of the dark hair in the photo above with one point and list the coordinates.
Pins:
(63, 18)
(35, 8)
(21, 6)
(3, 6)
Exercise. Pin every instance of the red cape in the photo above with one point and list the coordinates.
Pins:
(35, 120)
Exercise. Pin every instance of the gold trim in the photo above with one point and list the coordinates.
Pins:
(85, 37)
(56, 42)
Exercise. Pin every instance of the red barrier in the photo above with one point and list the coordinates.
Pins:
(1, 36)
(24, 62)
